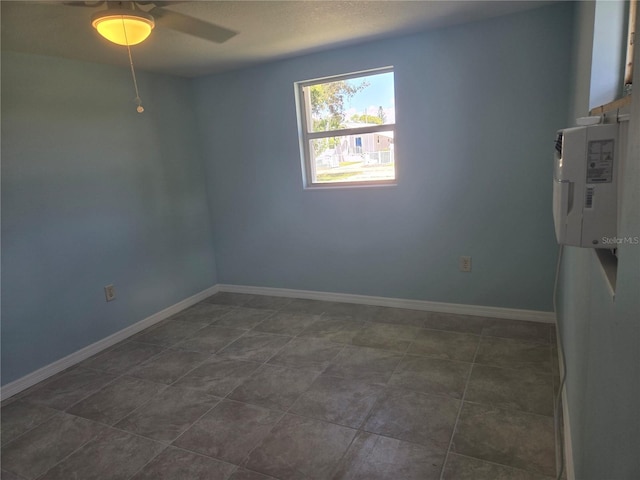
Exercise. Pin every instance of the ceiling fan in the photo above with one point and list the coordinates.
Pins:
(126, 23)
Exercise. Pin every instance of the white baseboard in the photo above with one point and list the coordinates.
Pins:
(568, 447)
(566, 420)
(47, 371)
(460, 309)
(478, 310)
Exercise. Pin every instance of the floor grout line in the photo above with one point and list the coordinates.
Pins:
(242, 463)
(365, 321)
(455, 424)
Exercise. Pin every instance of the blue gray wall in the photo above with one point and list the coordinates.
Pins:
(600, 333)
(477, 108)
(93, 194)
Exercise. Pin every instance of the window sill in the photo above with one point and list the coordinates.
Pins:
(335, 186)
(611, 106)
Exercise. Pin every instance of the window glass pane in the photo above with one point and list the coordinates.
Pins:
(364, 157)
(351, 103)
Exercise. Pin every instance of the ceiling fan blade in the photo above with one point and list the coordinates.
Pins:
(162, 3)
(90, 4)
(82, 4)
(191, 26)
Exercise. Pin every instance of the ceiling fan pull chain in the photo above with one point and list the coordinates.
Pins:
(139, 108)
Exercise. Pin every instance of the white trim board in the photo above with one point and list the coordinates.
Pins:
(569, 468)
(59, 365)
(568, 446)
(47, 371)
(460, 309)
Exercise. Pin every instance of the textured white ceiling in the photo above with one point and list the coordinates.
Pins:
(267, 30)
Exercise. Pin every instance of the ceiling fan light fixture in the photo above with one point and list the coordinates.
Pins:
(111, 24)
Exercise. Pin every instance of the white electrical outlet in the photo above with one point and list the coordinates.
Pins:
(110, 293)
(464, 263)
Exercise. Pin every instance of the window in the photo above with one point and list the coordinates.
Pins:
(631, 33)
(347, 129)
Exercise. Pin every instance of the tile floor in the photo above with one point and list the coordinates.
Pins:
(246, 387)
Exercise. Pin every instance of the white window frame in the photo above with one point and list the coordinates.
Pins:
(303, 104)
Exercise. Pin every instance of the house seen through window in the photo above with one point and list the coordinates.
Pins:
(347, 126)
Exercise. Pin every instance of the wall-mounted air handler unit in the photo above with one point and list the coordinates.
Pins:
(585, 195)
